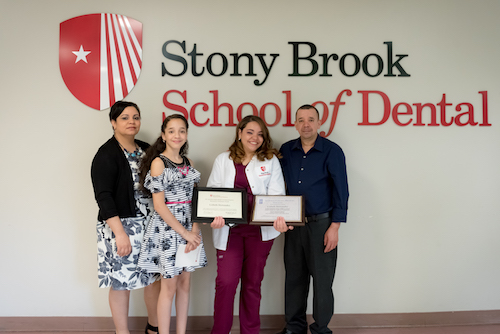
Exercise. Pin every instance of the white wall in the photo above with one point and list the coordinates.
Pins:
(423, 224)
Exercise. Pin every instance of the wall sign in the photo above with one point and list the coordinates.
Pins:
(378, 108)
(100, 57)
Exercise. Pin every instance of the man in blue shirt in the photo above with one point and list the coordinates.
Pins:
(313, 167)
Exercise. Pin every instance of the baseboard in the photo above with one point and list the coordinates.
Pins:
(204, 323)
(387, 320)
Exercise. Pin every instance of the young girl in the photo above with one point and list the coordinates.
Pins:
(169, 175)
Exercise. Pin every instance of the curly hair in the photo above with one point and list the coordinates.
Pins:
(265, 151)
(158, 147)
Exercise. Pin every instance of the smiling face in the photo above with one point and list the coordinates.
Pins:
(251, 137)
(128, 123)
(175, 134)
(307, 123)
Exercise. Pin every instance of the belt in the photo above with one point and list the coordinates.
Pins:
(314, 218)
(183, 202)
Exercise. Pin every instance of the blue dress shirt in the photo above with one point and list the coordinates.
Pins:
(319, 175)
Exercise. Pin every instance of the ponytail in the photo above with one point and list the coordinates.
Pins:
(151, 153)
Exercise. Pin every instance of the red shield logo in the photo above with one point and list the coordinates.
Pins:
(263, 168)
(100, 57)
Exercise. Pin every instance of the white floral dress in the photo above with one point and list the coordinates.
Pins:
(116, 271)
(160, 242)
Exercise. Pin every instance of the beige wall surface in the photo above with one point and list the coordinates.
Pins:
(423, 221)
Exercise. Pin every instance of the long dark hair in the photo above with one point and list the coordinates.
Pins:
(265, 151)
(158, 147)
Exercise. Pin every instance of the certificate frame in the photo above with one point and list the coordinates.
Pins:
(230, 203)
(297, 213)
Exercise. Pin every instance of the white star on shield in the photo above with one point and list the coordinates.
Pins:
(81, 54)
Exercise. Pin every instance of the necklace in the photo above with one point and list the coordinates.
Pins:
(132, 155)
(184, 170)
(181, 166)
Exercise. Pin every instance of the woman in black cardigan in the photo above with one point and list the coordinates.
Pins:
(122, 216)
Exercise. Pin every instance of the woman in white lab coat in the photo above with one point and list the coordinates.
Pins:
(242, 250)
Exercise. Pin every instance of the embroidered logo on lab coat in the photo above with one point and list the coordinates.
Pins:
(263, 171)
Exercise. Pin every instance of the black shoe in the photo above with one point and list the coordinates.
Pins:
(285, 331)
(151, 328)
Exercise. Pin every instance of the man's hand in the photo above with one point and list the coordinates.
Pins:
(331, 237)
(280, 225)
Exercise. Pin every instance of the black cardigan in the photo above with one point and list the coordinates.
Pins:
(112, 181)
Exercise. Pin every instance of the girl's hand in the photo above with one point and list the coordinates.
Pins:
(280, 225)
(123, 246)
(218, 222)
(192, 238)
(190, 247)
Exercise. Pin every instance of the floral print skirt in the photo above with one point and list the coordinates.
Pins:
(116, 271)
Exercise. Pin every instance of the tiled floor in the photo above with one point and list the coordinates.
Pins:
(481, 329)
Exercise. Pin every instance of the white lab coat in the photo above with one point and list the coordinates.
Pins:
(264, 177)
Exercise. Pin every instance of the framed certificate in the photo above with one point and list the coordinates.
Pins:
(230, 203)
(267, 208)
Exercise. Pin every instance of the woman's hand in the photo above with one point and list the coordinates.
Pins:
(122, 241)
(123, 246)
(280, 225)
(218, 222)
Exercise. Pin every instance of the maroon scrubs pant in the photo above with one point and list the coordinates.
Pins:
(244, 259)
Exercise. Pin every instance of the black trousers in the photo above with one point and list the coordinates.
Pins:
(305, 258)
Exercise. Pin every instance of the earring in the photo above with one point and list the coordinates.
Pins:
(239, 139)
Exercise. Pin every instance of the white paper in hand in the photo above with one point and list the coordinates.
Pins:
(191, 259)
